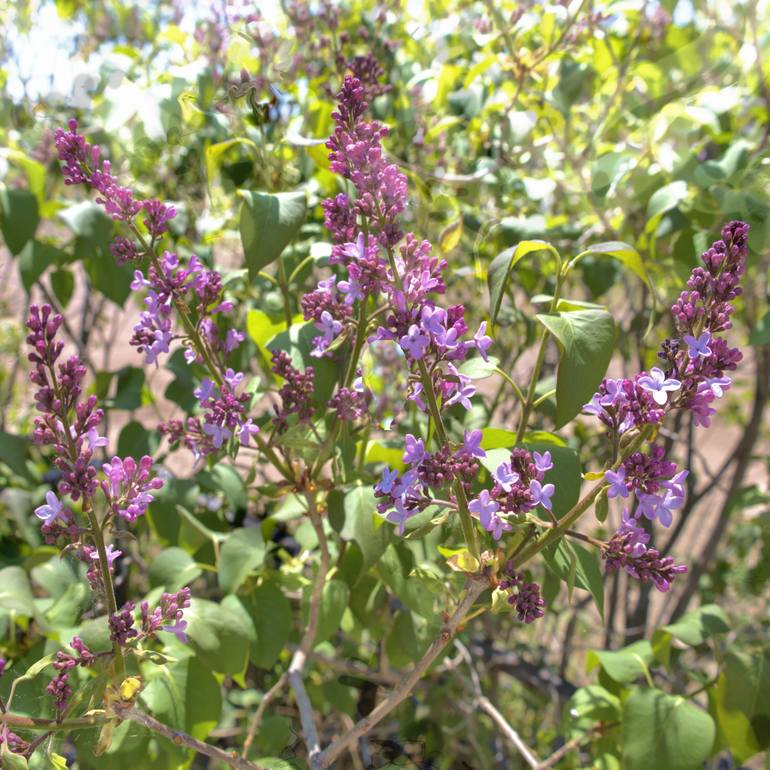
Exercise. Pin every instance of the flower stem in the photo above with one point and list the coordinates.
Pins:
(569, 518)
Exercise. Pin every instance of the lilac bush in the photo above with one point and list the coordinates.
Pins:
(495, 503)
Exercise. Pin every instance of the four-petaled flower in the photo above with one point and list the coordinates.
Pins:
(543, 461)
(505, 476)
(219, 433)
(659, 385)
(246, 431)
(541, 494)
(52, 509)
(415, 342)
(472, 444)
(617, 482)
(204, 391)
(385, 484)
(178, 630)
(486, 509)
(414, 449)
(698, 347)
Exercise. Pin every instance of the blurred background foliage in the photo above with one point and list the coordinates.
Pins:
(574, 122)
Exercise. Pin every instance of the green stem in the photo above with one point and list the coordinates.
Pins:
(466, 520)
(569, 518)
(109, 590)
(533, 380)
(32, 723)
(285, 291)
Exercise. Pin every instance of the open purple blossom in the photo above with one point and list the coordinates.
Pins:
(505, 476)
(414, 449)
(543, 462)
(51, 510)
(486, 509)
(617, 481)
(472, 443)
(542, 494)
(700, 346)
(659, 385)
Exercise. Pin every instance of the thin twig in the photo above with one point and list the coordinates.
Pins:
(487, 706)
(327, 758)
(183, 739)
(256, 720)
(301, 655)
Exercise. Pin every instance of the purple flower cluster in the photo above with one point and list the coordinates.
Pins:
(381, 261)
(518, 488)
(405, 495)
(659, 488)
(351, 403)
(692, 378)
(628, 549)
(296, 392)
(128, 487)
(167, 616)
(59, 688)
(168, 284)
(68, 425)
(523, 596)
(82, 164)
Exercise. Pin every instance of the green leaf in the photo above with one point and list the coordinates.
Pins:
(664, 731)
(734, 727)
(16, 592)
(271, 614)
(268, 224)
(219, 636)
(607, 171)
(592, 704)
(748, 689)
(226, 480)
(34, 259)
(477, 368)
(501, 267)
(172, 569)
(13, 452)
(695, 627)
(586, 339)
(135, 440)
(262, 328)
(19, 217)
(359, 511)
(243, 551)
(334, 600)
(624, 666)
(666, 198)
(94, 231)
(624, 253)
(570, 561)
(128, 391)
(63, 285)
(760, 335)
(185, 696)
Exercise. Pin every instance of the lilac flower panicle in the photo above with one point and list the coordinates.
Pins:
(524, 597)
(694, 377)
